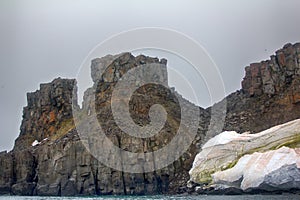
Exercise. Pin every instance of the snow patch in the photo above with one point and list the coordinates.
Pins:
(228, 136)
(35, 143)
(254, 168)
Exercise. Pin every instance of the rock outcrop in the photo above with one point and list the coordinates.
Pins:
(50, 158)
(165, 180)
(275, 75)
(6, 175)
(269, 95)
(48, 113)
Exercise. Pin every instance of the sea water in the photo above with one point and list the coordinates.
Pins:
(191, 197)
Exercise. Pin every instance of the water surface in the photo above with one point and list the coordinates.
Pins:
(200, 197)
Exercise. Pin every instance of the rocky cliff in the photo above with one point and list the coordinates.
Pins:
(60, 164)
(49, 157)
(48, 112)
(269, 95)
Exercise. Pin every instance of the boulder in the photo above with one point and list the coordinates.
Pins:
(23, 188)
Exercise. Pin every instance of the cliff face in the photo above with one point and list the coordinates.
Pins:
(61, 165)
(276, 75)
(269, 95)
(49, 110)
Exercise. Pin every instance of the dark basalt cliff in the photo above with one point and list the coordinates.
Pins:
(269, 95)
(61, 165)
(48, 111)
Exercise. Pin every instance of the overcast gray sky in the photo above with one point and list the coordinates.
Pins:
(41, 40)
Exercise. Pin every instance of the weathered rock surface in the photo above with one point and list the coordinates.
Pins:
(50, 159)
(59, 163)
(164, 180)
(6, 172)
(269, 95)
(274, 75)
(49, 110)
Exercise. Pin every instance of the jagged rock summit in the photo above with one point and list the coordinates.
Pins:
(49, 157)
(269, 95)
(59, 164)
(275, 75)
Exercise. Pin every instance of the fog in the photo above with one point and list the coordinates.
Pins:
(42, 40)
